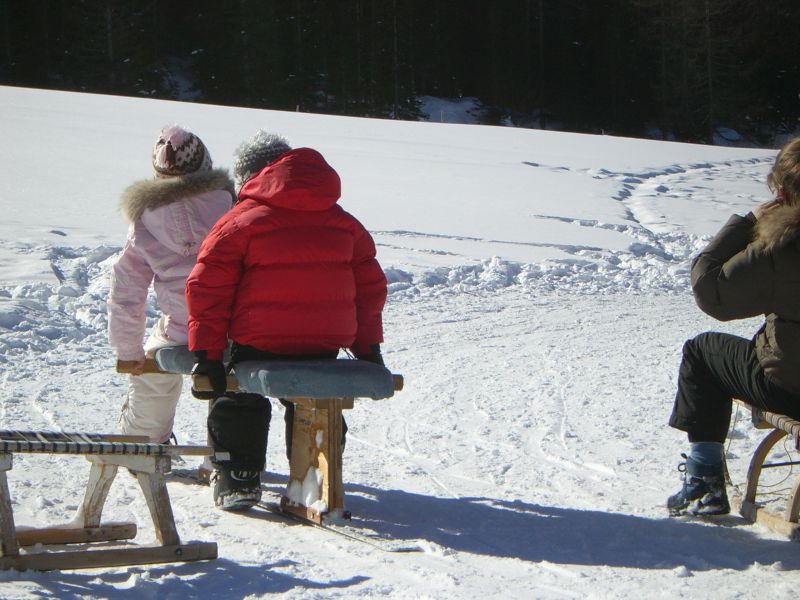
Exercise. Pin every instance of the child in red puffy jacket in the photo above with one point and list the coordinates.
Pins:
(285, 274)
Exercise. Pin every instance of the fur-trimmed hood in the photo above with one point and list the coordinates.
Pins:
(154, 193)
(778, 227)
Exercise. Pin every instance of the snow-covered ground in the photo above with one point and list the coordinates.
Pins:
(539, 298)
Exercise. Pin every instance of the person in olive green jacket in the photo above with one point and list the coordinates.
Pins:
(750, 268)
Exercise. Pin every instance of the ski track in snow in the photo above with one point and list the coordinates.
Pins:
(500, 447)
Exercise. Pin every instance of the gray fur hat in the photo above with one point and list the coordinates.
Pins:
(254, 154)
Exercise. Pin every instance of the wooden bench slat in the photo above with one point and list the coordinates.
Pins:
(57, 442)
(764, 419)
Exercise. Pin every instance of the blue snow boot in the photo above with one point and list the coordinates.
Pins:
(703, 492)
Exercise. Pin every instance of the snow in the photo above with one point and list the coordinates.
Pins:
(539, 298)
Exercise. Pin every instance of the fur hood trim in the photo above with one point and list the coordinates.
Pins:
(778, 227)
(152, 193)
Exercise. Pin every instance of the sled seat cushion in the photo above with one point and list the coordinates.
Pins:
(333, 378)
(316, 379)
(175, 359)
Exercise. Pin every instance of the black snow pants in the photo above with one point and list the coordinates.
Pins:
(241, 353)
(716, 368)
(238, 424)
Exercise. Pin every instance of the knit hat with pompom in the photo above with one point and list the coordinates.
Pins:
(179, 152)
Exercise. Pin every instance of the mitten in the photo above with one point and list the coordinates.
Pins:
(216, 373)
(374, 355)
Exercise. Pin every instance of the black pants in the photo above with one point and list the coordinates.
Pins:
(238, 424)
(716, 368)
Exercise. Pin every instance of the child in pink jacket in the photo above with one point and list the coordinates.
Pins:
(169, 217)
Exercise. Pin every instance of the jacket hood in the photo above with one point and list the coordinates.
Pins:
(298, 180)
(778, 227)
(153, 193)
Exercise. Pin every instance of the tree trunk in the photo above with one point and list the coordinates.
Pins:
(112, 75)
(396, 61)
(710, 116)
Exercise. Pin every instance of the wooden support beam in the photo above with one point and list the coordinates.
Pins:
(323, 403)
(331, 457)
(117, 557)
(316, 458)
(758, 514)
(127, 366)
(757, 462)
(8, 537)
(28, 536)
(155, 493)
(792, 513)
(101, 476)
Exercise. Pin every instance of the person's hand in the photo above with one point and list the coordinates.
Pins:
(138, 365)
(137, 368)
(216, 373)
(760, 210)
(133, 367)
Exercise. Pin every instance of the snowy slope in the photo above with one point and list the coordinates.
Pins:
(538, 302)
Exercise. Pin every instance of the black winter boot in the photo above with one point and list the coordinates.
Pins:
(238, 425)
(703, 491)
(235, 489)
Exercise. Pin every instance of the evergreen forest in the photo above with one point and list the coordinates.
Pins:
(687, 70)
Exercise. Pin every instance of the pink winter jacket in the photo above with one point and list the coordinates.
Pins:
(169, 220)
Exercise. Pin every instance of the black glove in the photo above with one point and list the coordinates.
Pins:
(216, 373)
(374, 355)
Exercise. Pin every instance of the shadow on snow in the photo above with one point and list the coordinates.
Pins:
(215, 579)
(531, 532)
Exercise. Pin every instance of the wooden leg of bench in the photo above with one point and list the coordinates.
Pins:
(206, 468)
(316, 457)
(793, 506)
(332, 455)
(759, 456)
(8, 535)
(101, 476)
(154, 488)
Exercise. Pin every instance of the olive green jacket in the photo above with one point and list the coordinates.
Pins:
(752, 268)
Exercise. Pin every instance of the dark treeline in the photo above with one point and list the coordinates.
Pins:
(678, 69)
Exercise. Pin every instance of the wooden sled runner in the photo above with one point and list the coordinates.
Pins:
(780, 426)
(320, 390)
(107, 453)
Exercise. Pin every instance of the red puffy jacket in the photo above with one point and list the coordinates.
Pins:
(287, 270)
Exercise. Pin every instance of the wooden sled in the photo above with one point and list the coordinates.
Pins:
(320, 391)
(107, 453)
(779, 427)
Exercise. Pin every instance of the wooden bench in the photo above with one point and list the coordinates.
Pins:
(780, 426)
(106, 453)
(320, 391)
